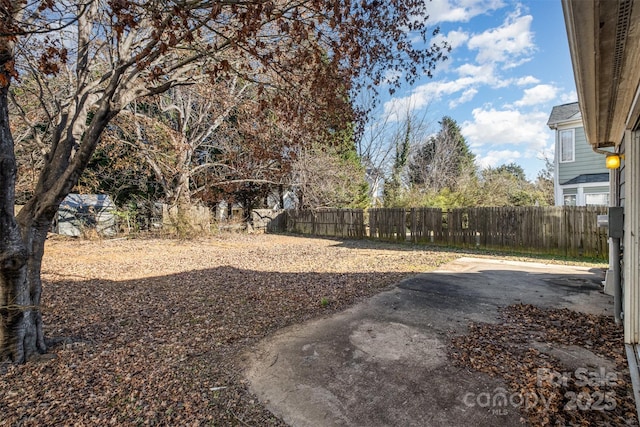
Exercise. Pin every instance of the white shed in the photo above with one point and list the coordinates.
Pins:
(79, 212)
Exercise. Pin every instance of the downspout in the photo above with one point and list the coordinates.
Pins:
(615, 253)
(614, 247)
(599, 150)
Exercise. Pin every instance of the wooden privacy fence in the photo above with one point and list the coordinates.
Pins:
(346, 223)
(566, 230)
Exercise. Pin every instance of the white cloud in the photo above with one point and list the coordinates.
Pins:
(424, 94)
(516, 63)
(527, 80)
(537, 95)
(471, 76)
(397, 108)
(459, 10)
(510, 44)
(497, 157)
(507, 45)
(466, 96)
(454, 39)
(567, 98)
(501, 127)
(482, 72)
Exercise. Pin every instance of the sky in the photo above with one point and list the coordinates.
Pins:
(508, 67)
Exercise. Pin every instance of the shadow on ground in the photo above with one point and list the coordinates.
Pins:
(164, 350)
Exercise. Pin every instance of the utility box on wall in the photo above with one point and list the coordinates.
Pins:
(616, 222)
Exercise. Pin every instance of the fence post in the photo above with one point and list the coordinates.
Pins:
(414, 237)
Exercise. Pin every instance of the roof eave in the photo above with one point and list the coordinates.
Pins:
(604, 42)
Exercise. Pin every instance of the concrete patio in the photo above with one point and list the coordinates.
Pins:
(384, 362)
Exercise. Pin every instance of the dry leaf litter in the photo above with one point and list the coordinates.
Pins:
(150, 331)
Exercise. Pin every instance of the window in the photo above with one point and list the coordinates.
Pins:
(567, 152)
(596, 199)
(569, 199)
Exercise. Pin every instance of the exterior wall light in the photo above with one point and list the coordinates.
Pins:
(613, 161)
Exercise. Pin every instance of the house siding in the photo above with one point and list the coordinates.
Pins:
(596, 190)
(586, 160)
(578, 178)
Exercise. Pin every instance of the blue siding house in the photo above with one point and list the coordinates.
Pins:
(581, 177)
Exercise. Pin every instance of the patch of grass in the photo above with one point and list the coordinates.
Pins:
(506, 255)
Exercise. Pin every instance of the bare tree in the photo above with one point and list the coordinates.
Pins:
(374, 147)
(324, 178)
(409, 130)
(382, 141)
(119, 51)
(442, 160)
(545, 181)
(188, 118)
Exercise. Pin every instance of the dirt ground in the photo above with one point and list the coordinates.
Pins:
(149, 331)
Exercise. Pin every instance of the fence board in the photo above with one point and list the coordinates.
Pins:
(344, 223)
(566, 230)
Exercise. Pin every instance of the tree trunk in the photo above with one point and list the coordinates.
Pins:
(179, 206)
(183, 203)
(22, 238)
(21, 333)
(21, 289)
(281, 193)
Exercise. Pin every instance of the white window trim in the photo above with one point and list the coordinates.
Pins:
(573, 143)
(580, 194)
